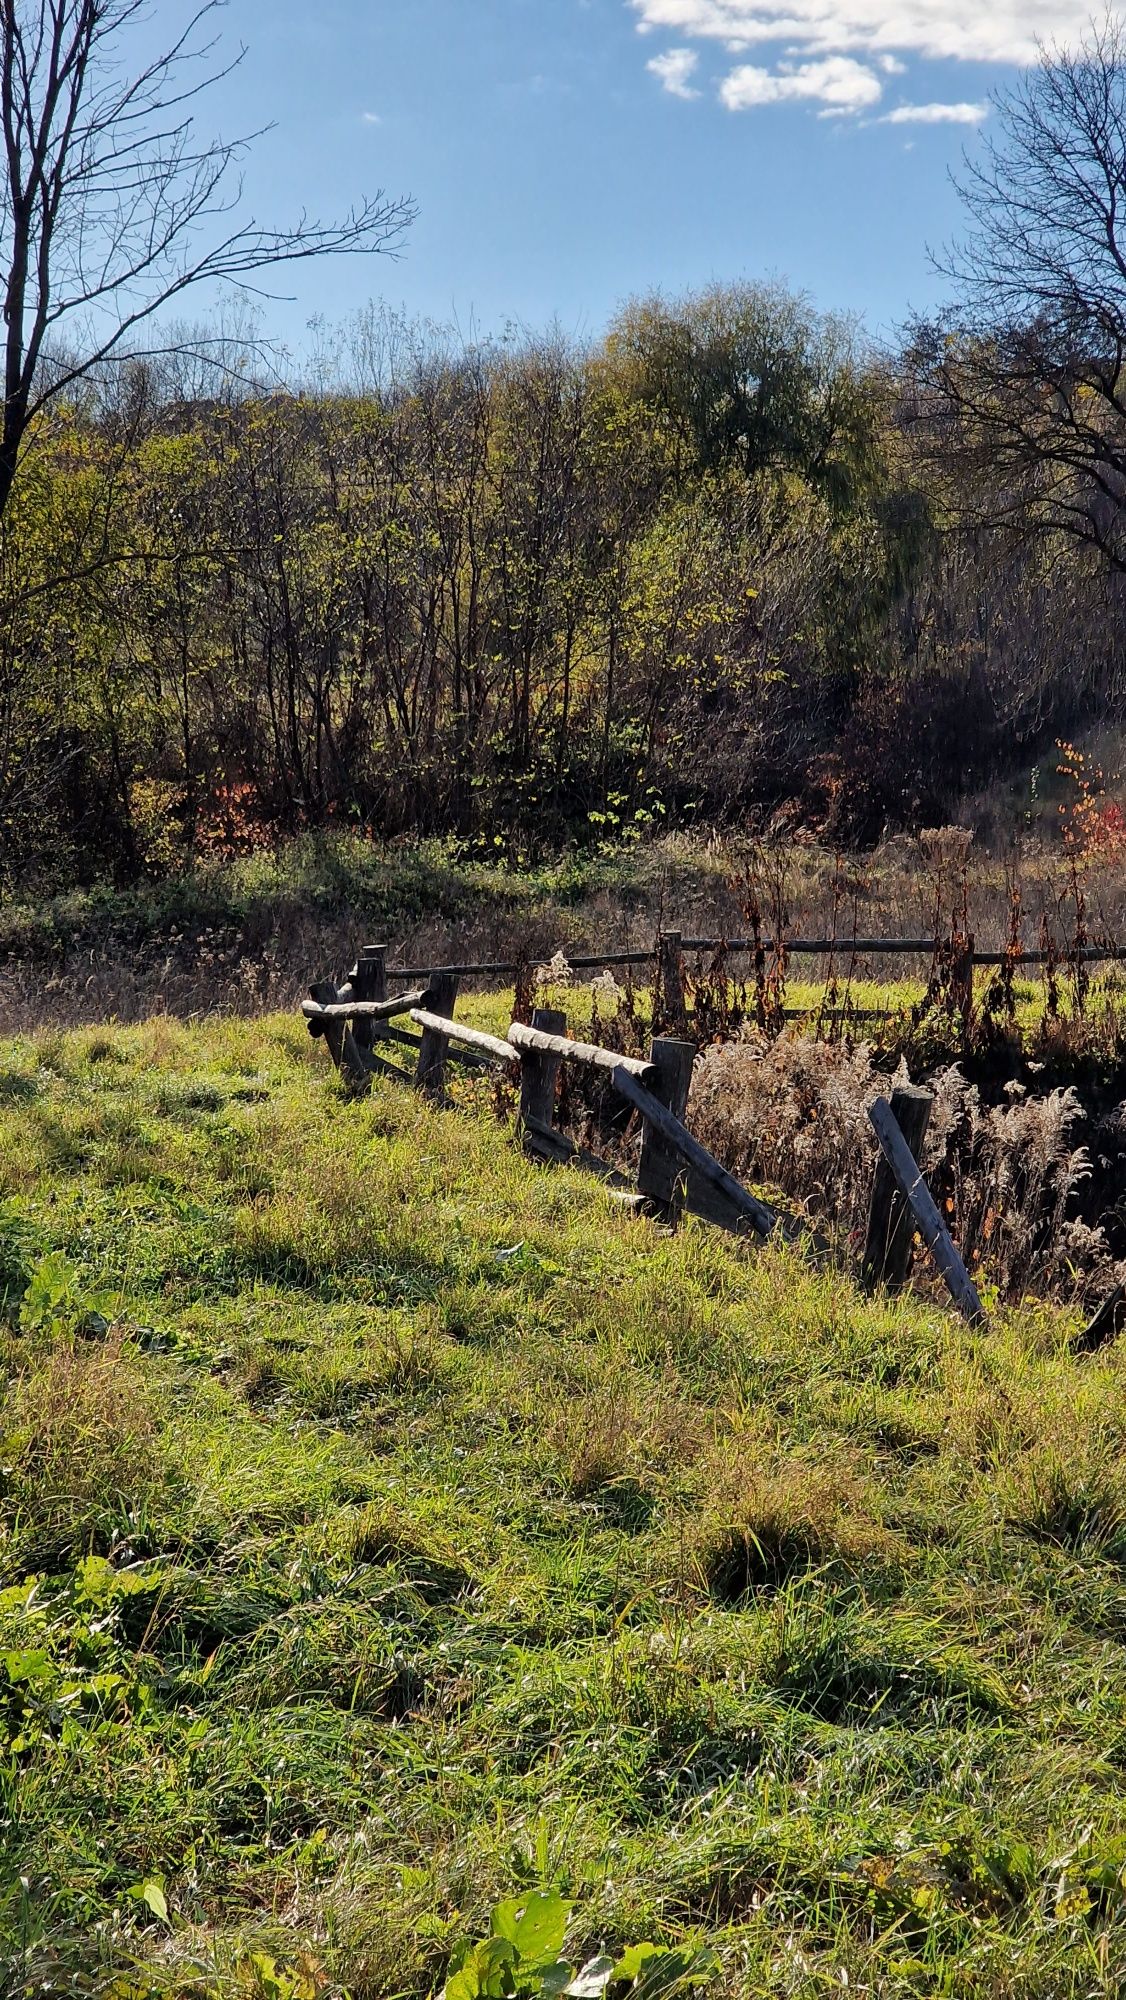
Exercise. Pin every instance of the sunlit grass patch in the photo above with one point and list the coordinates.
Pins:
(81, 1438)
(763, 1517)
(393, 1525)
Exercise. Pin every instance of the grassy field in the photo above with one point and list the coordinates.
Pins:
(389, 1527)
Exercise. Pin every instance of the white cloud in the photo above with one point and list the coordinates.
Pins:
(371, 118)
(675, 70)
(838, 82)
(936, 114)
(1004, 31)
(891, 65)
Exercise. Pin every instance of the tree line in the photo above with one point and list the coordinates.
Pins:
(525, 592)
(728, 560)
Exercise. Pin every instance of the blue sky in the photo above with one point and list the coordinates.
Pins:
(566, 154)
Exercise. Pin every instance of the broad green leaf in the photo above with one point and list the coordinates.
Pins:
(153, 1894)
(536, 1925)
(632, 1960)
(553, 1980)
(499, 1961)
(51, 1286)
(462, 1984)
(94, 1578)
(657, 1972)
(31, 1665)
(486, 1974)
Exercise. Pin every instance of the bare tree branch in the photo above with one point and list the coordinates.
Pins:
(1021, 386)
(112, 206)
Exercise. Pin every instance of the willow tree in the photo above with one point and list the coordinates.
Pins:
(749, 376)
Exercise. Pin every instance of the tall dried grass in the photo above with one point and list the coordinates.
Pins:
(248, 939)
(792, 1113)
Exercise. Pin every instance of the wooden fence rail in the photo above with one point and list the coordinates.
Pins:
(348, 1009)
(473, 1039)
(534, 1041)
(667, 955)
(674, 1169)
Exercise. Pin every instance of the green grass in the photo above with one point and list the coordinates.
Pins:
(422, 1529)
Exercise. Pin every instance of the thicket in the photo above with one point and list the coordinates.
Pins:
(524, 593)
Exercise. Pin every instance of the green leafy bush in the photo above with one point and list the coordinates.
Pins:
(56, 1300)
(524, 1955)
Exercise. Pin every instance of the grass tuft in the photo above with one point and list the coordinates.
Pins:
(765, 1520)
(81, 1438)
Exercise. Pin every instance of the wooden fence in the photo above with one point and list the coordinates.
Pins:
(672, 943)
(956, 956)
(357, 1021)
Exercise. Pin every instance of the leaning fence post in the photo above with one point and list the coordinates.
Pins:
(1106, 1324)
(369, 982)
(891, 1227)
(921, 1203)
(440, 999)
(696, 1156)
(660, 1172)
(674, 1004)
(538, 1074)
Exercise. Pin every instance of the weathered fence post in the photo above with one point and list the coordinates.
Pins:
(660, 1172)
(919, 1199)
(539, 1072)
(674, 1004)
(891, 1226)
(440, 999)
(705, 1164)
(369, 982)
(341, 1041)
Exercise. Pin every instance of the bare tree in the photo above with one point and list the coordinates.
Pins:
(112, 204)
(1022, 385)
